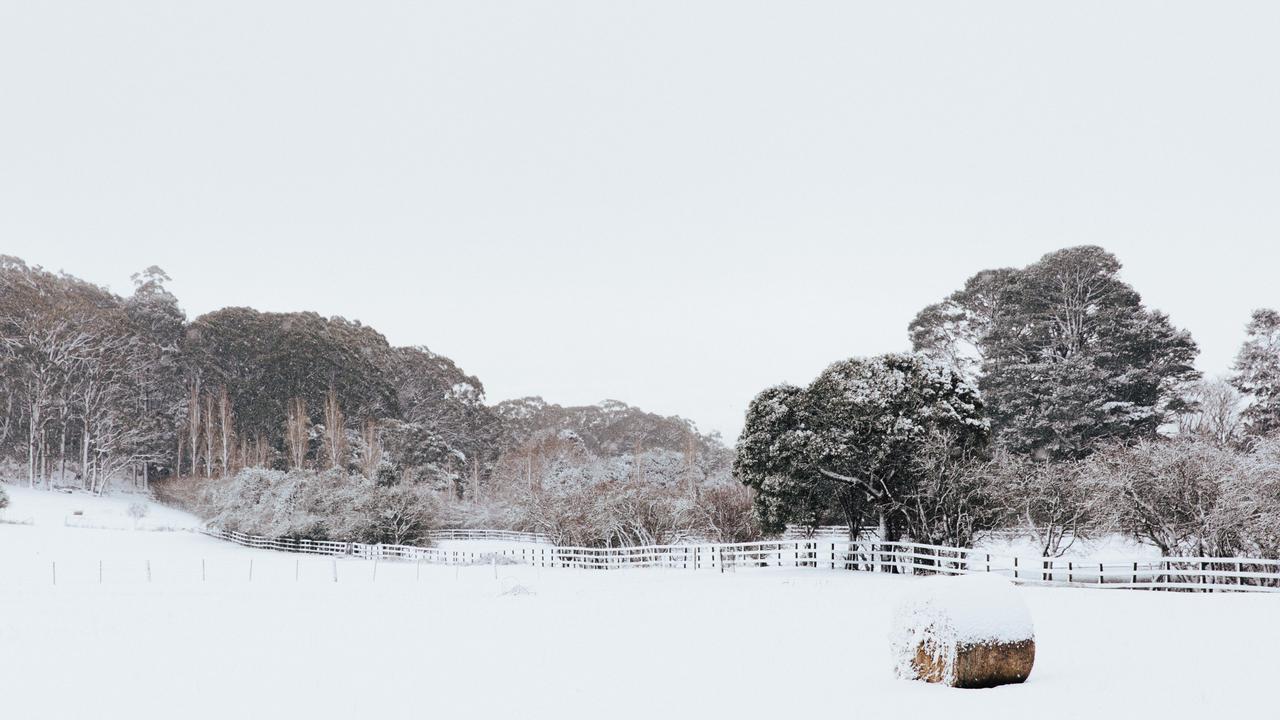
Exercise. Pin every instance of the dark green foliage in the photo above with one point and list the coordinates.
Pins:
(266, 359)
(1065, 353)
(1257, 373)
(850, 445)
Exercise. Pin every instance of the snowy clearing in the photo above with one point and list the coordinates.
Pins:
(558, 643)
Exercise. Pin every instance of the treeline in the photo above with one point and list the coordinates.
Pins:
(239, 408)
(1047, 398)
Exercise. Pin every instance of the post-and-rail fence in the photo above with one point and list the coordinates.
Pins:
(1164, 573)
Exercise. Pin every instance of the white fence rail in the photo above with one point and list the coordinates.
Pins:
(495, 535)
(1184, 573)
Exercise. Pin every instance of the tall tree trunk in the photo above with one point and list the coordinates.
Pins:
(31, 444)
(84, 456)
(208, 436)
(62, 454)
(193, 422)
(225, 420)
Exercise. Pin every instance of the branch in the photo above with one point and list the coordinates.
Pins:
(856, 482)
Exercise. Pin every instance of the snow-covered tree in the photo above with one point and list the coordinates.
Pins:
(1065, 353)
(1257, 373)
(1047, 501)
(1183, 496)
(1214, 411)
(849, 443)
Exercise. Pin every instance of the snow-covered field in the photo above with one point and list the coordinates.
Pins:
(460, 642)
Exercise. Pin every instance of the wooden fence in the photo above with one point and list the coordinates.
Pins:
(1181, 573)
(496, 535)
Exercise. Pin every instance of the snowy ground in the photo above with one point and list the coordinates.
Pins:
(556, 643)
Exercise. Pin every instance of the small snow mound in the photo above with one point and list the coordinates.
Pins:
(942, 614)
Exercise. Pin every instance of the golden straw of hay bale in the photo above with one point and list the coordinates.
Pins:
(977, 665)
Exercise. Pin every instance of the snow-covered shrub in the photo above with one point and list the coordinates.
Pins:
(582, 500)
(137, 511)
(1187, 496)
(969, 631)
(1049, 502)
(329, 505)
(725, 513)
(4, 498)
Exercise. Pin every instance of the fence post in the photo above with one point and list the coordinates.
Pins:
(335, 569)
(148, 571)
(99, 572)
(54, 565)
(297, 566)
(202, 573)
(250, 569)
(1015, 567)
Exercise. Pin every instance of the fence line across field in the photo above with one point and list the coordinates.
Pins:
(1166, 573)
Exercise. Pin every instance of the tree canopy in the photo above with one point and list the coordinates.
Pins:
(849, 443)
(1065, 353)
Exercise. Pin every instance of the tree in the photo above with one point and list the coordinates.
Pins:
(297, 433)
(850, 442)
(1182, 496)
(951, 496)
(1213, 412)
(266, 361)
(1065, 353)
(1257, 373)
(1048, 501)
(954, 331)
(725, 513)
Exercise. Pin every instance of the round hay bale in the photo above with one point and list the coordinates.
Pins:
(971, 631)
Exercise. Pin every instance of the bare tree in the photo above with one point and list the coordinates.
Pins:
(226, 423)
(335, 431)
(209, 435)
(1215, 412)
(193, 423)
(371, 457)
(1048, 501)
(297, 432)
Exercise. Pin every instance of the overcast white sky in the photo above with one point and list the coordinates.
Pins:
(674, 204)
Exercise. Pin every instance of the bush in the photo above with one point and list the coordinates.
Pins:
(1191, 496)
(137, 511)
(725, 514)
(4, 498)
(329, 505)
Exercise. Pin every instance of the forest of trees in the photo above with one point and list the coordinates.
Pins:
(1047, 399)
(299, 423)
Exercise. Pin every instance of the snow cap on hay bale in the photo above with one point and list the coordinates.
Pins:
(971, 631)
